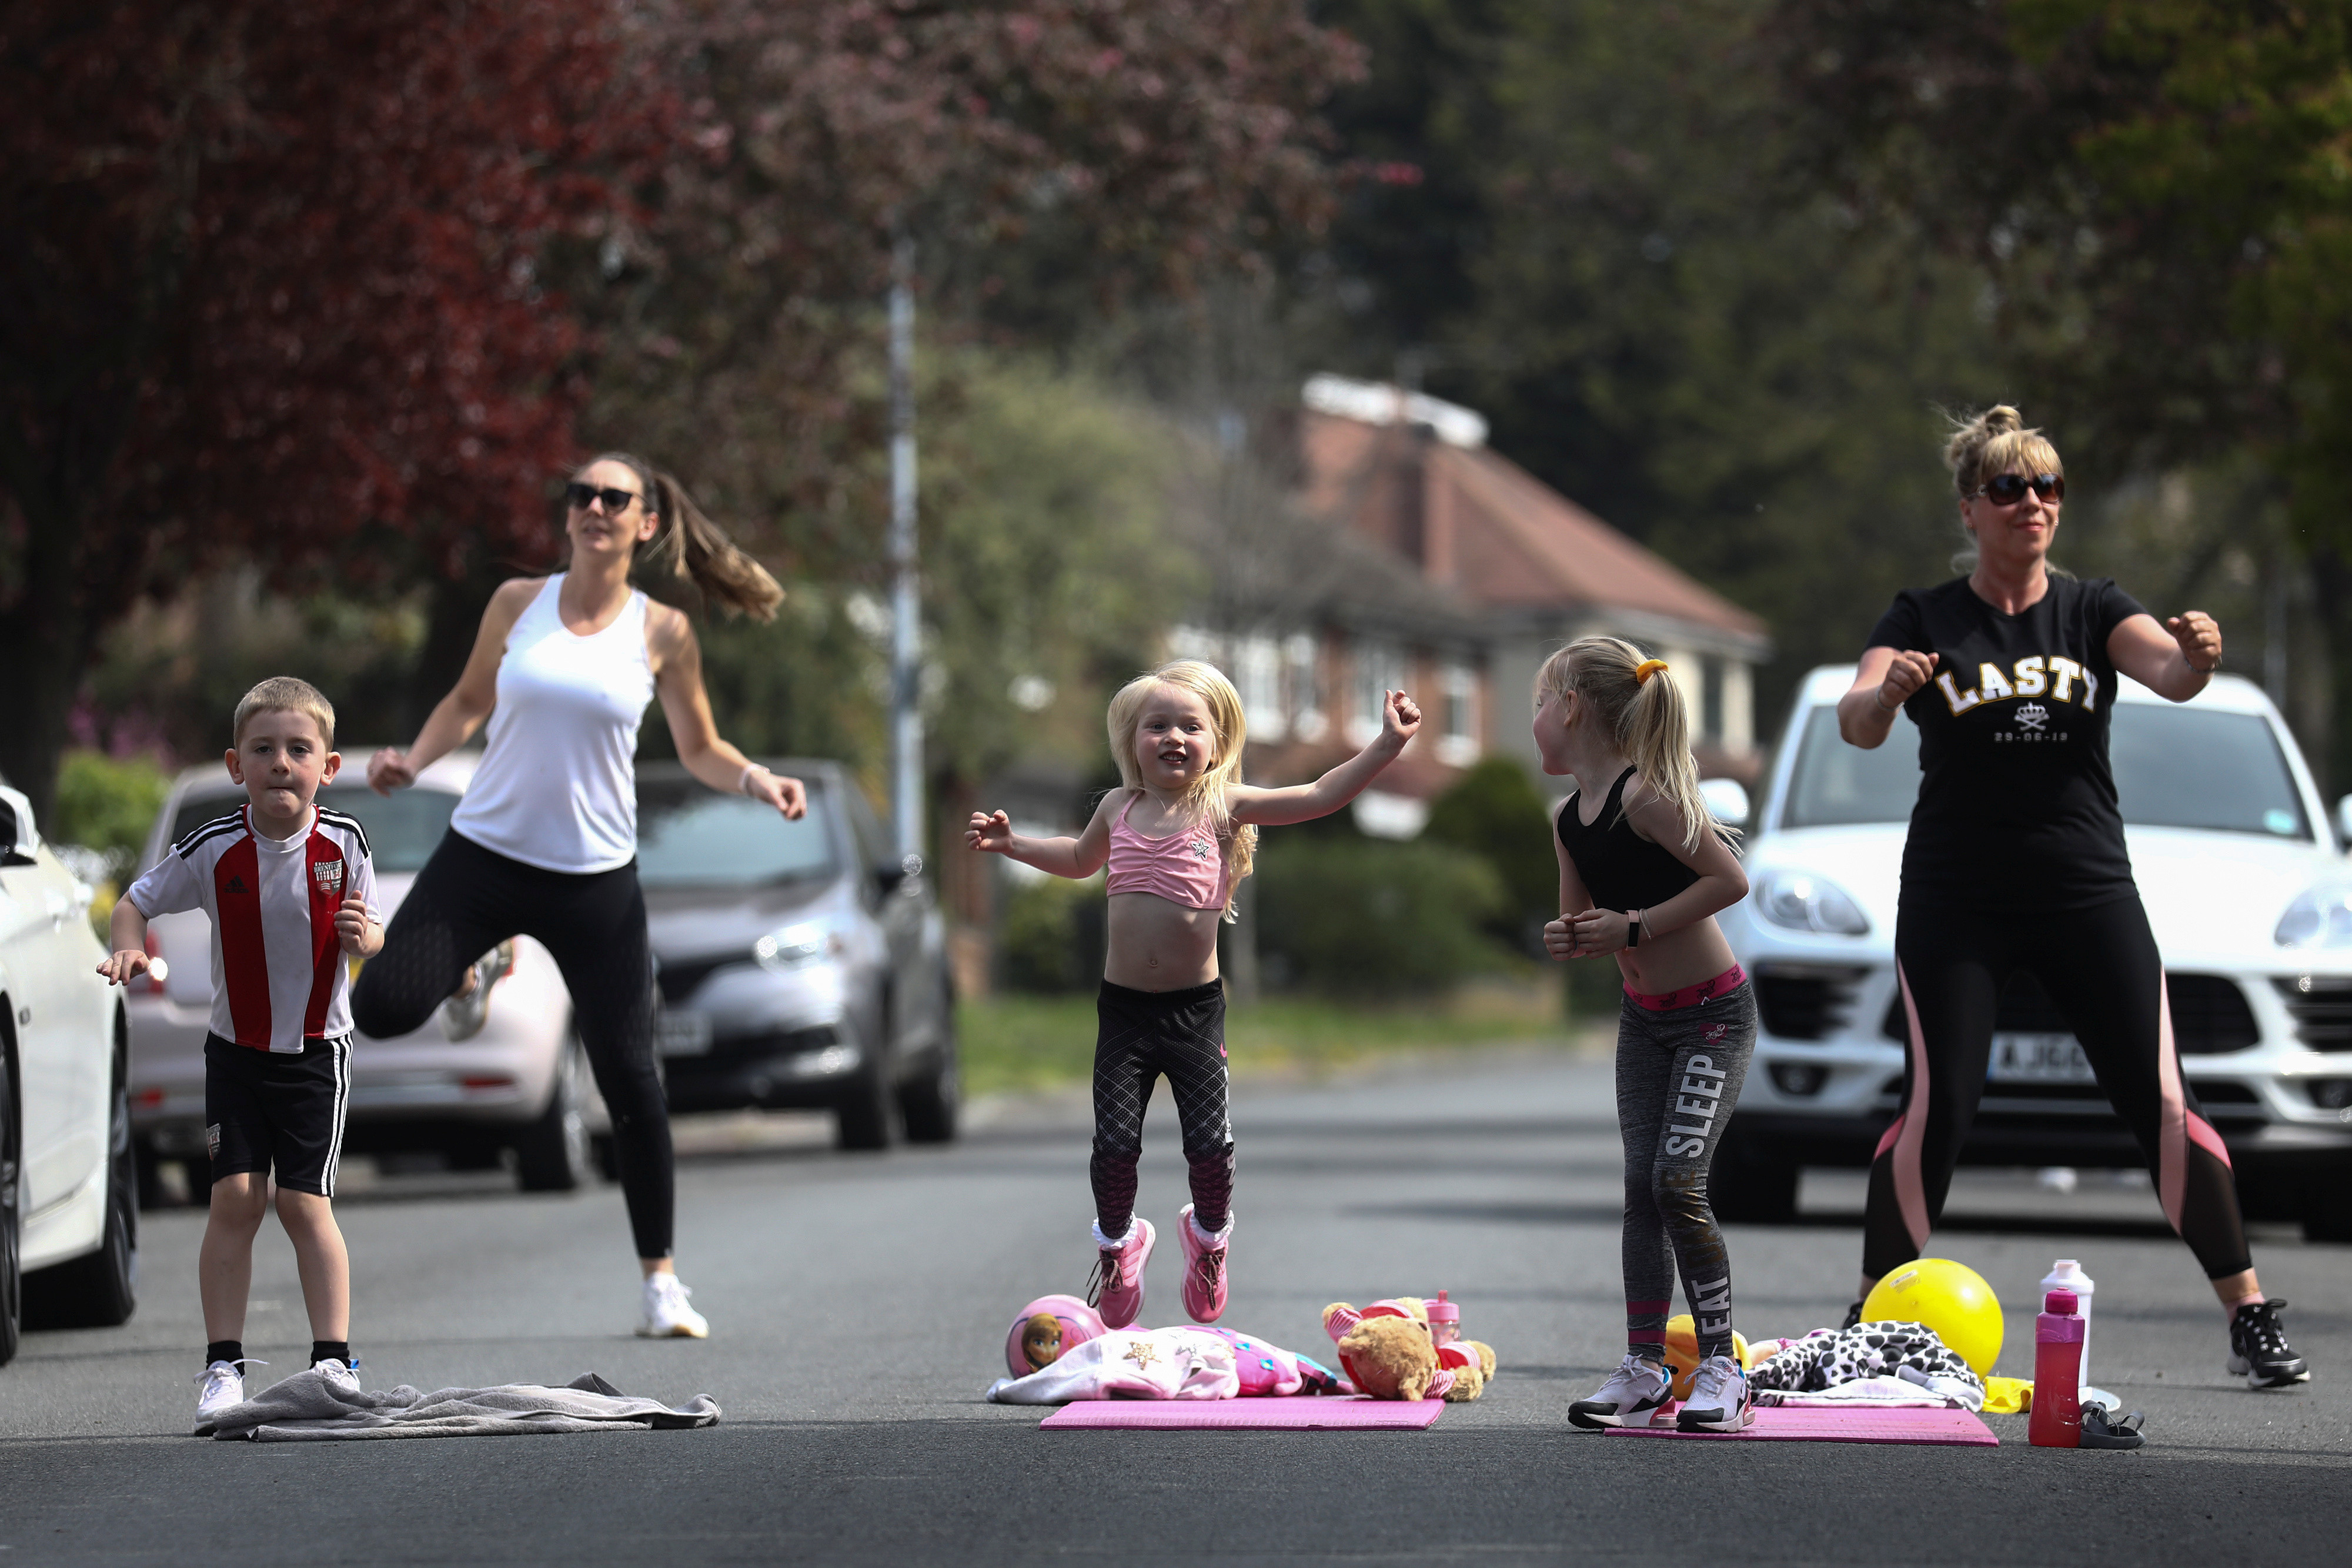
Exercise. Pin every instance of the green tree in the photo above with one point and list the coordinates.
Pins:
(2160, 191)
(1496, 812)
(1663, 309)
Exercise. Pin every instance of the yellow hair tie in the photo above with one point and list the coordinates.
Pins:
(1646, 668)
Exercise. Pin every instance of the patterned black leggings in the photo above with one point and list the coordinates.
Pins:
(1678, 1076)
(1144, 1034)
(467, 900)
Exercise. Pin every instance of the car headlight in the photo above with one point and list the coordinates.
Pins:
(797, 946)
(1801, 902)
(2321, 917)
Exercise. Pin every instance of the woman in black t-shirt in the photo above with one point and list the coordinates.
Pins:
(2016, 860)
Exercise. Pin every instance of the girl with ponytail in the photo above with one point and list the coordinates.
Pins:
(544, 843)
(1643, 870)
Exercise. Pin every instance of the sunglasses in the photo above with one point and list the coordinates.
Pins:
(580, 498)
(2008, 489)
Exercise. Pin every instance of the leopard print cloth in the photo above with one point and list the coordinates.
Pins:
(1827, 1357)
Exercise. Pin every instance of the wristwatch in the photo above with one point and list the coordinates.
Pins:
(1632, 928)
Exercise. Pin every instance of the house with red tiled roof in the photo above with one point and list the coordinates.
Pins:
(1432, 561)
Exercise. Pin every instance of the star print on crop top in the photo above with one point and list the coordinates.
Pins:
(2017, 804)
(1187, 866)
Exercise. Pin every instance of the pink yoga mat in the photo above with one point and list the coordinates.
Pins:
(1815, 1424)
(1308, 1413)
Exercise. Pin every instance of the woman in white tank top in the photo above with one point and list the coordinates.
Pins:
(545, 842)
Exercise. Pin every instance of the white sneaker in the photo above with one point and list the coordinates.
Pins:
(218, 1387)
(1634, 1392)
(345, 1378)
(1718, 1398)
(666, 1315)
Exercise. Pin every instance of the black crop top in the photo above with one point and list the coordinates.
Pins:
(1620, 869)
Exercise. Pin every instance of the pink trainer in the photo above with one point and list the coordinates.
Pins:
(1116, 1287)
(1205, 1267)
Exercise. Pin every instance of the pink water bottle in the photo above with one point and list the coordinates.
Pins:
(2057, 1418)
(1444, 1321)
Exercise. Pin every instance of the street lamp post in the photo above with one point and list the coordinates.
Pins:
(906, 599)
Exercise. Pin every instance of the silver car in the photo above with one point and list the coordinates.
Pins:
(519, 1084)
(2247, 889)
(800, 963)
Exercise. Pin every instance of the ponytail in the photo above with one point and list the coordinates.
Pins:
(690, 562)
(1645, 712)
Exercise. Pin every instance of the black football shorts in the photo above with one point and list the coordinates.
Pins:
(267, 1110)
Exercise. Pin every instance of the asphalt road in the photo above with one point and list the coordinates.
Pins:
(860, 1304)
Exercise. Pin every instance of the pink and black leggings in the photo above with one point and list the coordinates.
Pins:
(2100, 968)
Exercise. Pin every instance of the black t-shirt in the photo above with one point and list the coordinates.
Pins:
(2017, 805)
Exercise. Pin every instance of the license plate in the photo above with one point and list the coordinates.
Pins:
(2039, 1059)
(683, 1034)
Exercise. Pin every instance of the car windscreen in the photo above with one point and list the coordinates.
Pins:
(2174, 767)
(1834, 784)
(2198, 767)
(402, 828)
(690, 835)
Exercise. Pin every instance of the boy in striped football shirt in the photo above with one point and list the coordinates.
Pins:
(291, 891)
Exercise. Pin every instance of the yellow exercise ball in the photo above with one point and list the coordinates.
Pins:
(1950, 1298)
(1682, 1352)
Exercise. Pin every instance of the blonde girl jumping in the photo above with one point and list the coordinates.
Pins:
(1179, 838)
(1642, 868)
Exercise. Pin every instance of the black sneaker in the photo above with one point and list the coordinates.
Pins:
(2259, 1350)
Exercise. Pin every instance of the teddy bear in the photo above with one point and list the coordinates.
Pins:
(1389, 1355)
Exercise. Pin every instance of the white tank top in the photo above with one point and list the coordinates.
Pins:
(557, 786)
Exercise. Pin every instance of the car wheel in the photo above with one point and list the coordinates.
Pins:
(930, 1102)
(151, 1175)
(101, 1289)
(551, 1154)
(1752, 1183)
(862, 1115)
(12, 1281)
(2327, 1205)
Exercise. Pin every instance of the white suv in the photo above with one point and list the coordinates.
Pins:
(2245, 883)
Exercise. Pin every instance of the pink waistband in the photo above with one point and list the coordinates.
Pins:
(1723, 985)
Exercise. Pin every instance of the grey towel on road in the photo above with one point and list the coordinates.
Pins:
(306, 1407)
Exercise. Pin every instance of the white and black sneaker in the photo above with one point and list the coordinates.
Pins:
(218, 1387)
(1718, 1398)
(1637, 1390)
(2258, 1349)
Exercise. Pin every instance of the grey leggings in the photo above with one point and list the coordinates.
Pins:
(1678, 1076)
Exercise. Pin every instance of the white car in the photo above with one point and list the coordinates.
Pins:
(68, 1209)
(2245, 883)
(520, 1083)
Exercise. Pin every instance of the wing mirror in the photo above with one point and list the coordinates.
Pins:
(19, 839)
(1726, 800)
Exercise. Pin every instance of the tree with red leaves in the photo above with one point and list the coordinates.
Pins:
(272, 289)
(286, 277)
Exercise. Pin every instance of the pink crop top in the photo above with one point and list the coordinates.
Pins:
(1186, 867)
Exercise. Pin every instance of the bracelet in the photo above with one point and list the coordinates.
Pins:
(1879, 696)
(743, 785)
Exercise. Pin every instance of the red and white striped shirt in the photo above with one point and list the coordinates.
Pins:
(278, 975)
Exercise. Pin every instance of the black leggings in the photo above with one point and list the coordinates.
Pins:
(465, 902)
(1144, 1034)
(1679, 1073)
(2101, 968)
